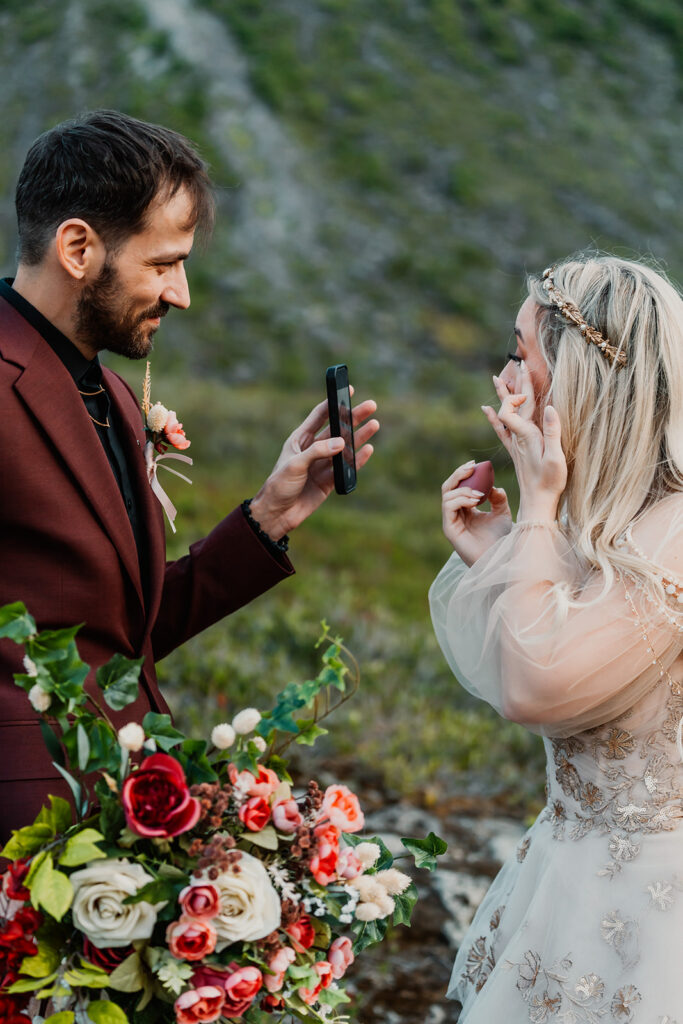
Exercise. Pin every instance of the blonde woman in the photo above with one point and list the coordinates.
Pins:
(570, 621)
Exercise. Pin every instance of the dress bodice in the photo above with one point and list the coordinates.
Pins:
(623, 780)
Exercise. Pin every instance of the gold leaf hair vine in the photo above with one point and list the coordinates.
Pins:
(571, 312)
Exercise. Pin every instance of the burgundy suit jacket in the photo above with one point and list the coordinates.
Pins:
(67, 551)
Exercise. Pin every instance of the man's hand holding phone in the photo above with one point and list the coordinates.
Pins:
(303, 475)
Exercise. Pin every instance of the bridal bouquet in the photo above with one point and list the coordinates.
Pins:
(193, 881)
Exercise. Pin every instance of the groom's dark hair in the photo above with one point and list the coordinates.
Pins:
(106, 168)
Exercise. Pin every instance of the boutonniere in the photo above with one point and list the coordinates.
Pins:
(162, 430)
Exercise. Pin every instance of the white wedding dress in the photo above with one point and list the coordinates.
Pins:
(585, 924)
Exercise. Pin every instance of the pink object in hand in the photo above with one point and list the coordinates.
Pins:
(480, 479)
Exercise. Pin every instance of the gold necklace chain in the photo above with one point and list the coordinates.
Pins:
(91, 394)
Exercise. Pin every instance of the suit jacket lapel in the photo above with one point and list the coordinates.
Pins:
(49, 392)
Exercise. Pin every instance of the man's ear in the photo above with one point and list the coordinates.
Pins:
(79, 248)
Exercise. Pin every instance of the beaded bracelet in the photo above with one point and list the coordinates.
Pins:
(281, 545)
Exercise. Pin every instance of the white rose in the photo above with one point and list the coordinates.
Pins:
(246, 721)
(98, 909)
(40, 700)
(131, 736)
(250, 906)
(367, 853)
(156, 417)
(223, 736)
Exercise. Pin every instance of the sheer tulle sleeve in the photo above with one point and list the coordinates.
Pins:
(519, 630)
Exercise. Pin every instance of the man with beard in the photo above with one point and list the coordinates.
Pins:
(107, 210)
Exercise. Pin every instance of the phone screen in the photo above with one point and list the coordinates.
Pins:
(341, 425)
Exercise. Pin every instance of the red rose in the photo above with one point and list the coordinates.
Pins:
(323, 863)
(199, 1004)
(254, 813)
(107, 958)
(270, 1003)
(156, 799)
(200, 901)
(12, 878)
(207, 975)
(10, 1010)
(325, 972)
(241, 989)
(301, 933)
(29, 919)
(190, 938)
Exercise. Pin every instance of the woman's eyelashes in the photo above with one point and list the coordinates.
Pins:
(514, 357)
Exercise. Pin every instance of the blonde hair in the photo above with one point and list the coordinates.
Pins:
(622, 427)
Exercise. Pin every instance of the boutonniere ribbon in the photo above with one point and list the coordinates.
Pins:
(162, 429)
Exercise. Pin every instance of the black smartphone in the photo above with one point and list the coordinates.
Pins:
(341, 425)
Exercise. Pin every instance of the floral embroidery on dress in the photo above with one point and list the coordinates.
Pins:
(550, 994)
(481, 958)
(523, 848)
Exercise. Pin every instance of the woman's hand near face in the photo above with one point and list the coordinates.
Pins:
(471, 531)
(537, 454)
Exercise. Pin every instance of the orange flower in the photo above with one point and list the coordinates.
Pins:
(341, 806)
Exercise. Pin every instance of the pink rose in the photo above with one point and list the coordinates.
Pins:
(200, 901)
(156, 799)
(323, 863)
(255, 813)
(190, 938)
(199, 1004)
(310, 995)
(264, 784)
(278, 964)
(241, 988)
(286, 816)
(324, 969)
(340, 956)
(349, 865)
(174, 433)
(341, 807)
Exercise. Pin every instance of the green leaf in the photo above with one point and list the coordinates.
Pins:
(44, 962)
(368, 933)
(80, 848)
(128, 976)
(101, 1011)
(404, 904)
(83, 747)
(161, 890)
(118, 680)
(15, 622)
(51, 889)
(87, 976)
(74, 786)
(53, 745)
(309, 731)
(63, 1017)
(333, 996)
(26, 841)
(159, 727)
(30, 984)
(279, 766)
(266, 838)
(57, 815)
(425, 851)
(192, 756)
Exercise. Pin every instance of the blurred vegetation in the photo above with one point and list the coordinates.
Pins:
(387, 174)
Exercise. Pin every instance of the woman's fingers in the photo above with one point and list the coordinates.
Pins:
(457, 476)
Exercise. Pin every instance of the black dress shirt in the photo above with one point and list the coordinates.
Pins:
(87, 376)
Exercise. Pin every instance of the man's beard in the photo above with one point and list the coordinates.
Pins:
(102, 322)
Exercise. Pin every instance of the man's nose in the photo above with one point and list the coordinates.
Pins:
(176, 289)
